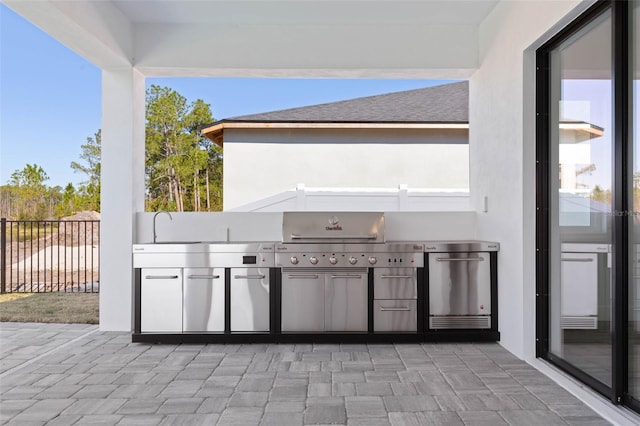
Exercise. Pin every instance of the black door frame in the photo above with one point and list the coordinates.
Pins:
(622, 169)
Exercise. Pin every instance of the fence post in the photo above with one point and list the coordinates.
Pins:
(3, 255)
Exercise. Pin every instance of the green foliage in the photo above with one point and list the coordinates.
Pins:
(601, 195)
(87, 196)
(91, 156)
(31, 177)
(26, 196)
(183, 168)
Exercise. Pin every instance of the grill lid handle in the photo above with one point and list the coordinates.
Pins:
(334, 237)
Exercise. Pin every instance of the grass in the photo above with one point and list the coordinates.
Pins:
(27, 233)
(68, 308)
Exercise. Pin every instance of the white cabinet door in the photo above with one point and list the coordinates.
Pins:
(161, 300)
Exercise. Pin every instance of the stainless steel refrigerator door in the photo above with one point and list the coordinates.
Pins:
(203, 300)
(459, 284)
(345, 304)
(302, 301)
(249, 299)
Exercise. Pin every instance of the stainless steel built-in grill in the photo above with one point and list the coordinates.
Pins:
(325, 260)
(341, 240)
(335, 256)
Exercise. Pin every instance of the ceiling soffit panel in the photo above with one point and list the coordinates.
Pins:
(307, 12)
(307, 38)
(295, 38)
(95, 30)
(301, 50)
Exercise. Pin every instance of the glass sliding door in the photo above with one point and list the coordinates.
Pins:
(588, 200)
(580, 200)
(634, 230)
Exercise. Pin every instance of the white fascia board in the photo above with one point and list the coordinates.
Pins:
(331, 125)
(392, 73)
(97, 31)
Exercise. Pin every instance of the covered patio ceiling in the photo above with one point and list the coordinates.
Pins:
(270, 38)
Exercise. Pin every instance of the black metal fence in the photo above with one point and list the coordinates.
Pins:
(49, 255)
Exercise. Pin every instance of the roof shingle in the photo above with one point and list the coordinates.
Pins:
(447, 103)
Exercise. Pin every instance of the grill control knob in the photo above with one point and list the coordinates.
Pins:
(333, 260)
(353, 260)
(313, 260)
(294, 260)
(373, 260)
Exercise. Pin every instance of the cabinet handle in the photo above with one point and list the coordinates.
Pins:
(459, 259)
(248, 277)
(304, 276)
(161, 277)
(400, 308)
(346, 276)
(576, 259)
(203, 277)
(396, 276)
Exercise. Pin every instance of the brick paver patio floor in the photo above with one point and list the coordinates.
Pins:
(62, 374)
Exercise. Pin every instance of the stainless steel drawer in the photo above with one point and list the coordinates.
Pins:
(395, 315)
(395, 283)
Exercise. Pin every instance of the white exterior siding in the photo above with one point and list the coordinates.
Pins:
(255, 169)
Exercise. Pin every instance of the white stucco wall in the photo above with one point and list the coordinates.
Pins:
(258, 165)
(502, 152)
(248, 226)
(122, 185)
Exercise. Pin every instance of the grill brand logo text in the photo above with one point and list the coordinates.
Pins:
(335, 224)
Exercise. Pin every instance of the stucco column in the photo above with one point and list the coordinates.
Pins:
(122, 191)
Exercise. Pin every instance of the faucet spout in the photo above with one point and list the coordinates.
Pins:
(155, 235)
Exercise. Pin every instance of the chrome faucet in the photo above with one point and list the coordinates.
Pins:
(155, 236)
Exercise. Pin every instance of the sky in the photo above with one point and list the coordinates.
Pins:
(50, 98)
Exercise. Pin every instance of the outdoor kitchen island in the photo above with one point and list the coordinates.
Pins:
(332, 278)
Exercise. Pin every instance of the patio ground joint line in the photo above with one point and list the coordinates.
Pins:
(32, 360)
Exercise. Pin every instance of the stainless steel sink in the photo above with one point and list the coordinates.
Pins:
(177, 242)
